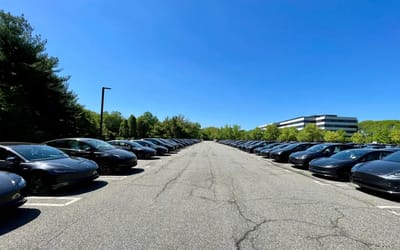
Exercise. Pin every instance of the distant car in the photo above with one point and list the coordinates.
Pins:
(109, 158)
(161, 150)
(303, 158)
(11, 194)
(380, 175)
(282, 154)
(339, 165)
(267, 152)
(160, 142)
(142, 152)
(45, 168)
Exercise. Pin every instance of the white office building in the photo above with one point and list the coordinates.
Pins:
(325, 122)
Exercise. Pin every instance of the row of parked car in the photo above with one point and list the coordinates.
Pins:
(371, 167)
(30, 168)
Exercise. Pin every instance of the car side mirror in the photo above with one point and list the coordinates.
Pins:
(13, 159)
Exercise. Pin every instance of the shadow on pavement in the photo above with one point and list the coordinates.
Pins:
(152, 158)
(131, 171)
(80, 189)
(13, 219)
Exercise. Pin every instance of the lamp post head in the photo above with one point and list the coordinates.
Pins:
(106, 88)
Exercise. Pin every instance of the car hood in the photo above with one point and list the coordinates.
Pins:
(305, 154)
(10, 182)
(324, 161)
(75, 163)
(120, 153)
(379, 167)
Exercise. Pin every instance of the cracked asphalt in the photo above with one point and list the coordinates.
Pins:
(209, 196)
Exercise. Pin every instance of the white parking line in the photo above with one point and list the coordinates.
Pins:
(395, 213)
(111, 178)
(388, 207)
(322, 184)
(146, 167)
(54, 201)
(342, 184)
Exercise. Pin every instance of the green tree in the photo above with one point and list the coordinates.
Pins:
(335, 136)
(255, 134)
(123, 129)
(288, 134)
(132, 127)
(210, 133)
(112, 123)
(271, 132)
(358, 138)
(311, 133)
(145, 125)
(395, 136)
(35, 103)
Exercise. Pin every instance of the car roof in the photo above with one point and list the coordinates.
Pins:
(18, 143)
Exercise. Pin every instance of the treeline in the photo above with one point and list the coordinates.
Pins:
(369, 131)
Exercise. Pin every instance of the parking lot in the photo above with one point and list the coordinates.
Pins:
(207, 196)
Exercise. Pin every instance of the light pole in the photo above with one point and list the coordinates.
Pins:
(101, 112)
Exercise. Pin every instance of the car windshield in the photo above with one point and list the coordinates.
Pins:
(317, 148)
(349, 155)
(39, 152)
(291, 146)
(393, 157)
(149, 143)
(100, 145)
(135, 144)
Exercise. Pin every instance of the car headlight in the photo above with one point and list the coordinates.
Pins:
(21, 182)
(395, 175)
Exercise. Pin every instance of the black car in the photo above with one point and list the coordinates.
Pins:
(11, 194)
(109, 158)
(267, 152)
(161, 150)
(339, 165)
(282, 154)
(159, 142)
(380, 175)
(303, 158)
(45, 168)
(142, 152)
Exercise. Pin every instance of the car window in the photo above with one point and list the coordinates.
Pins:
(72, 144)
(4, 154)
(384, 154)
(337, 149)
(372, 156)
(328, 150)
(84, 146)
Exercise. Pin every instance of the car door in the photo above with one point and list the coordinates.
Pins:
(371, 156)
(11, 162)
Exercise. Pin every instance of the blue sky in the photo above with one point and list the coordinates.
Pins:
(221, 62)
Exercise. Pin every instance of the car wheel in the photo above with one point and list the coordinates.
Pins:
(38, 184)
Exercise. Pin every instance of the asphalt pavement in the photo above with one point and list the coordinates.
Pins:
(206, 196)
